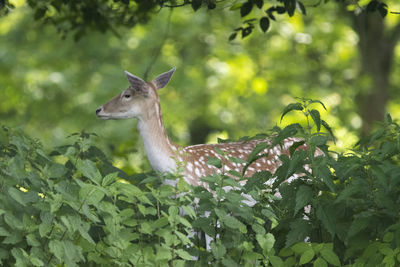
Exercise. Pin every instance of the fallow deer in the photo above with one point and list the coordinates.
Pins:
(140, 100)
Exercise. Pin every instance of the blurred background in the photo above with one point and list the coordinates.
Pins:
(51, 85)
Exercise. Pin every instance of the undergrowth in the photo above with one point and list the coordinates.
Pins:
(71, 207)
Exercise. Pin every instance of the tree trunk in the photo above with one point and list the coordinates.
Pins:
(376, 48)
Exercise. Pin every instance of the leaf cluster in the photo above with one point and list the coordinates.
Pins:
(71, 207)
(79, 17)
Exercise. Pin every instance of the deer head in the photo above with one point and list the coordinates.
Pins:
(137, 101)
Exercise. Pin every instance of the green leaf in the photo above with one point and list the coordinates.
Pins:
(246, 8)
(196, 4)
(189, 211)
(383, 10)
(13, 239)
(291, 107)
(291, 261)
(276, 261)
(259, 3)
(32, 241)
(311, 101)
(299, 230)
(39, 13)
(89, 169)
(295, 145)
(307, 256)
(173, 211)
(57, 170)
(89, 214)
(357, 225)
(214, 162)
(266, 242)
(36, 261)
(286, 252)
(13, 221)
(246, 31)
(327, 216)
(163, 253)
(17, 195)
(236, 6)
(318, 140)
(232, 222)
(20, 256)
(219, 151)
(372, 6)
(232, 36)
(236, 160)
(46, 225)
(235, 173)
(220, 213)
(184, 255)
(264, 24)
(218, 250)
(258, 229)
(388, 237)
(330, 256)
(316, 118)
(290, 6)
(319, 262)
(185, 222)
(327, 127)
(300, 248)
(211, 5)
(256, 151)
(303, 196)
(185, 240)
(4, 232)
(56, 248)
(302, 8)
(322, 171)
(109, 178)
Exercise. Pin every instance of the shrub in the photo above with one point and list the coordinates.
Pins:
(71, 207)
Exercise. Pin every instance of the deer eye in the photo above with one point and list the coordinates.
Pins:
(127, 96)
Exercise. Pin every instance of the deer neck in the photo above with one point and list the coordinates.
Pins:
(159, 149)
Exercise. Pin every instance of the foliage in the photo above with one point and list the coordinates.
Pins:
(105, 15)
(72, 207)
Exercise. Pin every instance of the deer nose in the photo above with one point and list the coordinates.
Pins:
(98, 110)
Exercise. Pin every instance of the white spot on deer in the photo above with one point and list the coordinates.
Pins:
(197, 172)
(190, 166)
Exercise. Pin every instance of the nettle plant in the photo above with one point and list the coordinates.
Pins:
(71, 207)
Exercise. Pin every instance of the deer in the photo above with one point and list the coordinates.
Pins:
(141, 101)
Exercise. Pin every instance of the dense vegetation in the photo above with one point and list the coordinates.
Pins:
(73, 201)
(71, 207)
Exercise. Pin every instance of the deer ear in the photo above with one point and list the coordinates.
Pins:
(162, 80)
(135, 81)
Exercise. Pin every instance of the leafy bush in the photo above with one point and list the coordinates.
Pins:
(71, 207)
